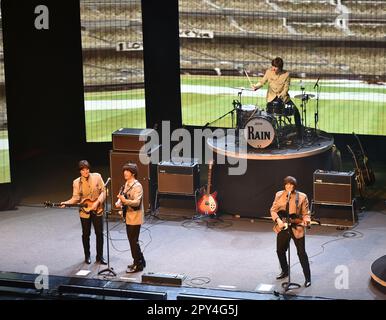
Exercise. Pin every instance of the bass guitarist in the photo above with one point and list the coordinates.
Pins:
(296, 204)
(89, 186)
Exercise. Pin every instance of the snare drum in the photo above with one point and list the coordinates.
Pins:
(259, 131)
(244, 113)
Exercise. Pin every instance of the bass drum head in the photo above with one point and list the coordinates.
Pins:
(259, 132)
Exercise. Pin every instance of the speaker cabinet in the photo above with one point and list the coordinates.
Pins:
(335, 215)
(131, 140)
(146, 175)
(331, 187)
(178, 178)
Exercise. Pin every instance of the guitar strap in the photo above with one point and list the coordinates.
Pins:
(125, 193)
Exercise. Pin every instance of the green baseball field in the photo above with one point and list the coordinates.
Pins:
(344, 105)
(5, 175)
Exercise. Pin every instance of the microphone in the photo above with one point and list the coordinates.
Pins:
(316, 83)
(107, 182)
(288, 196)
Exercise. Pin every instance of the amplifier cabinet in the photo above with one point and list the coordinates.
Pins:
(128, 139)
(178, 178)
(332, 187)
(146, 176)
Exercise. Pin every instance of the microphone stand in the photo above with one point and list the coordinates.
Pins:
(109, 270)
(316, 116)
(289, 285)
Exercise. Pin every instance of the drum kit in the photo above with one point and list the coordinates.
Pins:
(264, 127)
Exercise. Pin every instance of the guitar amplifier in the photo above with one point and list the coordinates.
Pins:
(178, 178)
(131, 140)
(332, 187)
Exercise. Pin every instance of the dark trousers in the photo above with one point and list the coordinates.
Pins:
(133, 236)
(86, 231)
(282, 243)
(298, 121)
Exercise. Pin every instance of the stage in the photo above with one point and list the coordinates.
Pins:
(251, 194)
(229, 257)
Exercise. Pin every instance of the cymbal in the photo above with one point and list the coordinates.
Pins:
(304, 96)
(242, 88)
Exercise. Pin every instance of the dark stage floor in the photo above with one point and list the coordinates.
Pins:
(231, 254)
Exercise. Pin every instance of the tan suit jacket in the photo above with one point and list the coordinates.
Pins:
(278, 85)
(134, 199)
(280, 203)
(92, 189)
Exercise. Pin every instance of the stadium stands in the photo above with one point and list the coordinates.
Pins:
(365, 7)
(112, 70)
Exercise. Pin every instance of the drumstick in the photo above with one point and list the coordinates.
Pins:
(245, 71)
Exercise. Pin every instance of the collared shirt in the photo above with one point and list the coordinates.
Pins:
(278, 85)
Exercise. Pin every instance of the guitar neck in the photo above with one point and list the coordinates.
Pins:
(209, 178)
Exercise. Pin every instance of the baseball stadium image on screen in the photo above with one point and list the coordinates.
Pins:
(335, 52)
(113, 72)
(5, 175)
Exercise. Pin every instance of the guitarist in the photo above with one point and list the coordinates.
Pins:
(89, 186)
(294, 202)
(131, 203)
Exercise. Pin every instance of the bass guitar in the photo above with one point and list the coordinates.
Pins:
(84, 206)
(208, 204)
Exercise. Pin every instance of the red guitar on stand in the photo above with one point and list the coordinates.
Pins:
(208, 204)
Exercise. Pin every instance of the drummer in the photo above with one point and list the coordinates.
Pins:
(278, 86)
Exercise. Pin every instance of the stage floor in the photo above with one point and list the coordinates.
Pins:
(230, 253)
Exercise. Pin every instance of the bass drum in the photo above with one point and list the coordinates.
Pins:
(244, 113)
(260, 131)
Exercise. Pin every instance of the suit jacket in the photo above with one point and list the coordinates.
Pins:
(92, 189)
(280, 204)
(134, 203)
(278, 85)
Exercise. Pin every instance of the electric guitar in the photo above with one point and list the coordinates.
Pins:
(84, 206)
(208, 204)
(367, 172)
(360, 182)
(295, 219)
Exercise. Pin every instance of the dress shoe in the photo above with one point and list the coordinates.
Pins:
(101, 260)
(87, 260)
(282, 275)
(307, 283)
(135, 268)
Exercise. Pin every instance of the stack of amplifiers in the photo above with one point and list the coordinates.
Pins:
(129, 146)
(334, 197)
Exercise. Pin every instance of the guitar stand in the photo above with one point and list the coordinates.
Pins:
(109, 270)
